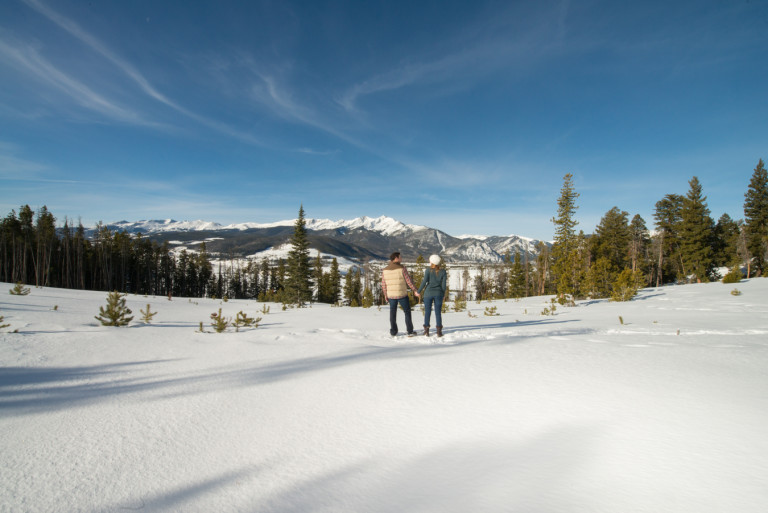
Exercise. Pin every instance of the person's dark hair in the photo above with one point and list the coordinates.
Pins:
(394, 255)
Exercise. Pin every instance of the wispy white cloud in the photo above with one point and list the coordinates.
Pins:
(310, 151)
(136, 76)
(75, 30)
(27, 58)
(491, 44)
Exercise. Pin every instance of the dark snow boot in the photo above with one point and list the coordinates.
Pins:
(439, 331)
(426, 331)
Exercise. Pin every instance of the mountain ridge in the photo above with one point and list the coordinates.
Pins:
(361, 238)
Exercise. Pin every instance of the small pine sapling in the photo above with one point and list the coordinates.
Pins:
(459, 304)
(242, 319)
(265, 309)
(734, 275)
(2, 326)
(490, 311)
(626, 285)
(115, 313)
(19, 289)
(147, 315)
(621, 320)
(219, 322)
(735, 292)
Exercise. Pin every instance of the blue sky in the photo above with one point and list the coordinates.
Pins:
(459, 115)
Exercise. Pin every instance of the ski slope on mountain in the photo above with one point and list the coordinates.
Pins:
(655, 405)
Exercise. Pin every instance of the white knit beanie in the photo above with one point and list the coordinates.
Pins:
(434, 260)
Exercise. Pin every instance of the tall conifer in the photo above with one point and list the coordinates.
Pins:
(566, 242)
(696, 233)
(756, 216)
(668, 218)
(298, 285)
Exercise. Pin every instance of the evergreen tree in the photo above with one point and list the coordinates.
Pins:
(298, 286)
(367, 298)
(334, 277)
(668, 219)
(726, 240)
(353, 287)
(319, 278)
(517, 278)
(612, 239)
(696, 233)
(756, 216)
(204, 272)
(600, 278)
(639, 242)
(542, 277)
(115, 313)
(565, 237)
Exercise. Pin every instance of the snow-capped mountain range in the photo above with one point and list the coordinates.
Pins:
(360, 238)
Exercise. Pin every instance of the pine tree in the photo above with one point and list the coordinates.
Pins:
(756, 216)
(19, 289)
(639, 241)
(600, 278)
(668, 219)
(734, 275)
(115, 313)
(319, 278)
(565, 237)
(147, 315)
(298, 286)
(517, 278)
(334, 278)
(726, 239)
(696, 230)
(612, 239)
(626, 285)
(3, 326)
(367, 298)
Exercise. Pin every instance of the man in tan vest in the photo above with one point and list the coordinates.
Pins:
(395, 282)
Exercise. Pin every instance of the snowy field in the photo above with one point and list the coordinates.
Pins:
(319, 410)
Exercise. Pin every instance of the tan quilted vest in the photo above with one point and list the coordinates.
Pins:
(393, 275)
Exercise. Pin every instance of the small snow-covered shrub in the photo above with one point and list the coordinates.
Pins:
(735, 292)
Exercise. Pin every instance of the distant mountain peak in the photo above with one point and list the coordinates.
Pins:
(344, 238)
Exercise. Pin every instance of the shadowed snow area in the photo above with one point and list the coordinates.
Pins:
(658, 405)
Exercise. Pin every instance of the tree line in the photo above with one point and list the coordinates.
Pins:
(687, 244)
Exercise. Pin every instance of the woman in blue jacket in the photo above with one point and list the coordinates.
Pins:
(434, 285)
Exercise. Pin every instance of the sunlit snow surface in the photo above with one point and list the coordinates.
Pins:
(319, 409)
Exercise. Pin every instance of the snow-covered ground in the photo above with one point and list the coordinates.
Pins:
(318, 409)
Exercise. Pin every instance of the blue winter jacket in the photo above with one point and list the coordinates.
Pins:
(434, 283)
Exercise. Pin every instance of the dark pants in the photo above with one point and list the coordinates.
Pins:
(393, 315)
(438, 302)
